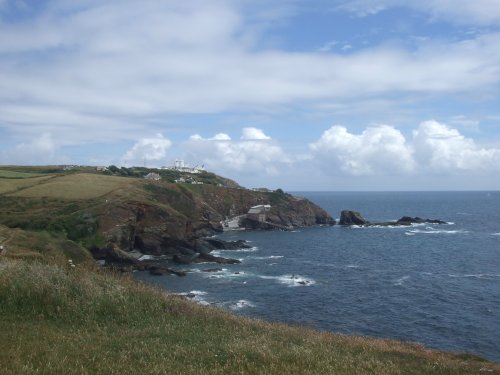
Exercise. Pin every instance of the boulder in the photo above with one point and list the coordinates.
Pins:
(160, 271)
(352, 218)
(210, 258)
(182, 259)
(112, 254)
(217, 244)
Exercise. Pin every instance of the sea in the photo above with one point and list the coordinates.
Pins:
(438, 285)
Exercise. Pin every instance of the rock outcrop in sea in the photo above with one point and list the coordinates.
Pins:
(349, 218)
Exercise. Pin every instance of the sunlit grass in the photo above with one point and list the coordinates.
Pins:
(55, 318)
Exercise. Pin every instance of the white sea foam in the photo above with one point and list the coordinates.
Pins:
(477, 276)
(196, 296)
(249, 250)
(219, 253)
(401, 281)
(226, 274)
(352, 266)
(270, 257)
(291, 280)
(495, 234)
(431, 230)
(145, 257)
(241, 304)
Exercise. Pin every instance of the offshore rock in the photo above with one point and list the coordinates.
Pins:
(355, 218)
(407, 220)
(352, 218)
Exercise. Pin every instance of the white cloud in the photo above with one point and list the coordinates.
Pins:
(39, 150)
(119, 66)
(255, 152)
(443, 149)
(254, 134)
(147, 149)
(383, 150)
(377, 150)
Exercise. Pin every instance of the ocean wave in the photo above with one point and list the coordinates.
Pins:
(431, 230)
(269, 257)
(224, 273)
(401, 280)
(495, 234)
(245, 250)
(291, 280)
(219, 253)
(196, 296)
(241, 304)
(487, 276)
(352, 266)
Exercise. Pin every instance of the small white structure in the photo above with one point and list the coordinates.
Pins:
(101, 168)
(261, 208)
(153, 176)
(180, 166)
(258, 213)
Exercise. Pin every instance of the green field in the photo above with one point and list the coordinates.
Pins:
(15, 174)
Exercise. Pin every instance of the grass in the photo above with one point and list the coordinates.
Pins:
(76, 186)
(8, 185)
(15, 174)
(31, 245)
(58, 319)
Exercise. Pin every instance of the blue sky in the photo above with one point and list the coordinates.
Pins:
(303, 95)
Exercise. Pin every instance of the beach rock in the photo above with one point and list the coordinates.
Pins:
(352, 218)
(182, 259)
(206, 245)
(211, 258)
(227, 245)
(160, 271)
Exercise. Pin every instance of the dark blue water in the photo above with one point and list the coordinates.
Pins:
(434, 284)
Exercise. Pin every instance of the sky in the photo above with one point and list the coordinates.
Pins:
(356, 95)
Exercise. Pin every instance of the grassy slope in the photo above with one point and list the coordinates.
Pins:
(58, 319)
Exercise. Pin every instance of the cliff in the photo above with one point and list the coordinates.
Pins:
(112, 215)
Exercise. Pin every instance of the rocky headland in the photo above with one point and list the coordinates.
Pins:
(130, 222)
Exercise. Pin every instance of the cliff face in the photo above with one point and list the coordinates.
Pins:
(175, 217)
(155, 217)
